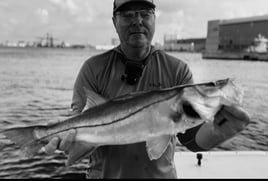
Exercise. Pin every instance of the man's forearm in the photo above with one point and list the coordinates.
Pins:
(188, 139)
(202, 138)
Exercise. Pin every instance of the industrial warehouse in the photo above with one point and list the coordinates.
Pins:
(243, 38)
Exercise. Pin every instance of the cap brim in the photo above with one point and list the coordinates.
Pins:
(149, 4)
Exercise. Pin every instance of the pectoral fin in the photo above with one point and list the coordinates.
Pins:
(93, 99)
(79, 151)
(157, 146)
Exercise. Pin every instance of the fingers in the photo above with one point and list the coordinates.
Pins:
(219, 118)
(56, 143)
(231, 120)
(67, 141)
(237, 113)
(238, 117)
(52, 146)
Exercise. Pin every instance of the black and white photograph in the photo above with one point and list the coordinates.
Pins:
(133, 89)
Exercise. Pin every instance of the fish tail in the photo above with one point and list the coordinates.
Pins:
(25, 138)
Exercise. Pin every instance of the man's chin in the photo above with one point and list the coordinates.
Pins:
(138, 44)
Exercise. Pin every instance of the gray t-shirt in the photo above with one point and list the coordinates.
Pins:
(103, 74)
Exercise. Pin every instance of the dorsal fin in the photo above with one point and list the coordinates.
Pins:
(93, 99)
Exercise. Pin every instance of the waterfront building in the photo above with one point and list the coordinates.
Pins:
(240, 38)
(172, 43)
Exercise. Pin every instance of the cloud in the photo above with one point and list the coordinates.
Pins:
(188, 18)
(68, 5)
(174, 25)
(84, 12)
(90, 20)
(3, 4)
(43, 14)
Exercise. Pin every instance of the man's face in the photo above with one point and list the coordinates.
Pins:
(135, 26)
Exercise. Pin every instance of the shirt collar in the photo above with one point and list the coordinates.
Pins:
(118, 50)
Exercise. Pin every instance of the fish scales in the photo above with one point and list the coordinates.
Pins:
(152, 117)
(113, 113)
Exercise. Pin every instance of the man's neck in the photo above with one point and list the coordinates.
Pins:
(137, 54)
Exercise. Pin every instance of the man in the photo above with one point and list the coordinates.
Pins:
(135, 65)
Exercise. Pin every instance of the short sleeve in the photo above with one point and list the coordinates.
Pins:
(184, 74)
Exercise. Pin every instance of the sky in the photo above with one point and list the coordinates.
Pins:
(90, 21)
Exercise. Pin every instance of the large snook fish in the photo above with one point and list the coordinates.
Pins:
(152, 117)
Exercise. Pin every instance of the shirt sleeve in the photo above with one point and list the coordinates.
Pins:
(188, 139)
(184, 75)
(86, 79)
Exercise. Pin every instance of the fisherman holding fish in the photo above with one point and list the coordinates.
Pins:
(135, 65)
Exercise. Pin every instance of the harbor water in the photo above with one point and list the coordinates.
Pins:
(36, 87)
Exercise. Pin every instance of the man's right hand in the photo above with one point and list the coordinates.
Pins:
(60, 143)
(64, 144)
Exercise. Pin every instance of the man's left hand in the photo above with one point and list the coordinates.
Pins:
(230, 120)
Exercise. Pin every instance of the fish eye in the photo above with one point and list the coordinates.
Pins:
(189, 110)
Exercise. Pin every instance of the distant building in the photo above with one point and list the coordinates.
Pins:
(171, 43)
(21, 43)
(10, 44)
(242, 38)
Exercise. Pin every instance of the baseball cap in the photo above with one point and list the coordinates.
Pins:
(119, 3)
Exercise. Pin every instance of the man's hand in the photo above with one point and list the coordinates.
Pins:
(62, 144)
(229, 121)
(57, 143)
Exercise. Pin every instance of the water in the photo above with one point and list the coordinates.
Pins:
(36, 87)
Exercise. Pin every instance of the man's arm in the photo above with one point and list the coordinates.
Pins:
(188, 139)
(228, 122)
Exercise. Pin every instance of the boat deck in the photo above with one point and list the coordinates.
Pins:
(222, 164)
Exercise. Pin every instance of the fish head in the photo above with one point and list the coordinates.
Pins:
(200, 103)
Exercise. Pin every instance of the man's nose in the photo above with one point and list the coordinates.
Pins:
(137, 19)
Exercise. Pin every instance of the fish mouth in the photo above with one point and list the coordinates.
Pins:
(189, 110)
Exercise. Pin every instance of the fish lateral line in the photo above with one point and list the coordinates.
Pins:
(110, 123)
